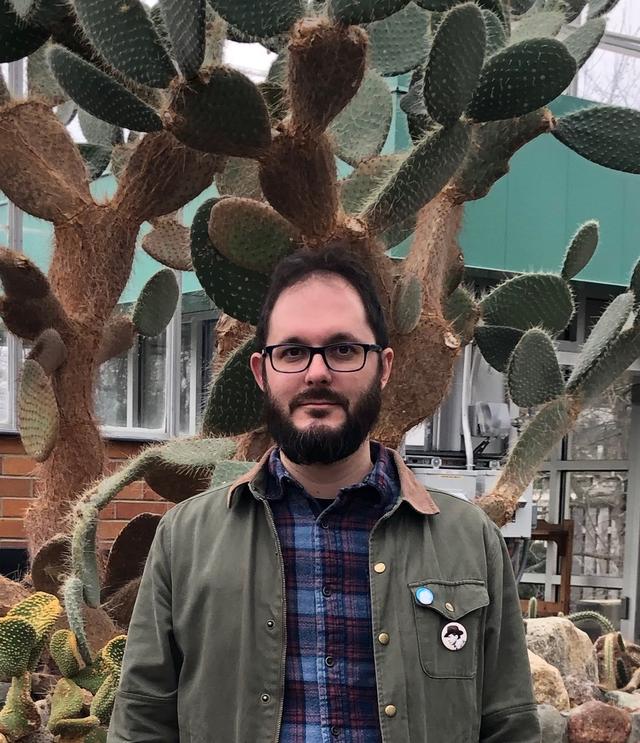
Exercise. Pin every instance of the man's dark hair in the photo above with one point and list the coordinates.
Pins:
(300, 265)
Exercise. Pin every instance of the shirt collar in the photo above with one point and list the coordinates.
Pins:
(411, 490)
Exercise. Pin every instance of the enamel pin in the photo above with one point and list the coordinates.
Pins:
(454, 636)
(424, 596)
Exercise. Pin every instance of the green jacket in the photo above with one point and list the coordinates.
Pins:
(205, 655)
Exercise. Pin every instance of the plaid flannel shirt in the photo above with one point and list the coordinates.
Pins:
(330, 684)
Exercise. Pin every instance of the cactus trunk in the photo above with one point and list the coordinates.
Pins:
(98, 250)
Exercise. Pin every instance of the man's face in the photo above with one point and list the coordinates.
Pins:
(319, 415)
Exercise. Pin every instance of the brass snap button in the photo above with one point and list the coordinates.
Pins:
(390, 710)
(265, 698)
(383, 638)
(448, 606)
(379, 567)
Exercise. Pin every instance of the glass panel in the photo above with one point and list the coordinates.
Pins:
(185, 377)
(208, 345)
(602, 431)
(527, 590)
(597, 505)
(610, 77)
(151, 381)
(625, 18)
(536, 557)
(541, 493)
(111, 391)
(4, 374)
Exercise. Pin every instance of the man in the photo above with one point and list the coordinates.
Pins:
(327, 595)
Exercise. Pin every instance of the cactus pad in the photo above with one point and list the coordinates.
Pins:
(580, 250)
(263, 19)
(17, 38)
(241, 127)
(40, 81)
(235, 401)
(39, 418)
(240, 178)
(228, 471)
(496, 343)
(125, 37)
(169, 243)
(361, 186)
(406, 304)
(76, 728)
(398, 44)
(234, 290)
(598, 8)
(99, 132)
(606, 135)
(462, 311)
(63, 647)
(455, 62)
(156, 303)
(602, 336)
(51, 563)
(496, 38)
(19, 715)
(250, 234)
(583, 42)
(361, 129)
(113, 653)
(354, 12)
(17, 640)
(185, 24)
(530, 300)
(100, 94)
(96, 158)
(102, 703)
(521, 78)
(420, 177)
(536, 24)
(67, 702)
(129, 552)
(534, 375)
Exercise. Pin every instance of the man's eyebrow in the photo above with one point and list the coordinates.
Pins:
(335, 338)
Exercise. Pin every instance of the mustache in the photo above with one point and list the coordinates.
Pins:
(322, 395)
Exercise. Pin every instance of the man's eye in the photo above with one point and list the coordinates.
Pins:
(345, 350)
(292, 352)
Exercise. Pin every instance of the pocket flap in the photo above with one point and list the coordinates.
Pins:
(451, 599)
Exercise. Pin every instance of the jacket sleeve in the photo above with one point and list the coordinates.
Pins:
(509, 712)
(145, 709)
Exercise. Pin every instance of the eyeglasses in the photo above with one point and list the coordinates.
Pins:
(292, 358)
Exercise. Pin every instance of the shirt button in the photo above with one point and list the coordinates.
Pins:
(326, 591)
(264, 698)
(271, 624)
(329, 661)
(390, 710)
(383, 638)
(379, 567)
(335, 731)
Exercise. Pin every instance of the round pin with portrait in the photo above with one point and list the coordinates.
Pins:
(454, 636)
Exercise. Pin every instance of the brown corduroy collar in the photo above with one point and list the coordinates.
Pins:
(411, 489)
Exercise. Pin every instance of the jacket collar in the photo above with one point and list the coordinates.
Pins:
(411, 489)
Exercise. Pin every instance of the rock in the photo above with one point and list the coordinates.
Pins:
(553, 724)
(561, 643)
(623, 699)
(582, 690)
(11, 593)
(548, 687)
(595, 722)
(635, 728)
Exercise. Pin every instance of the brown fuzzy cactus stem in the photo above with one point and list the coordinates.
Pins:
(118, 337)
(162, 175)
(327, 62)
(28, 306)
(299, 180)
(47, 177)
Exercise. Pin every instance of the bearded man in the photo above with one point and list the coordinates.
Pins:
(327, 595)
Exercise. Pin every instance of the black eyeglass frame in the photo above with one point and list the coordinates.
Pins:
(367, 347)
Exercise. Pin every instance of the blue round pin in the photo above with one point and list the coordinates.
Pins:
(424, 596)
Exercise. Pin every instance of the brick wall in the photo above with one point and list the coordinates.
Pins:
(17, 488)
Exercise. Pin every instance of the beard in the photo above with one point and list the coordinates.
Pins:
(318, 443)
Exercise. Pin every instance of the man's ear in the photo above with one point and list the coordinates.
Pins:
(257, 368)
(386, 358)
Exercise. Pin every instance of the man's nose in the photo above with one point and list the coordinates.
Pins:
(318, 370)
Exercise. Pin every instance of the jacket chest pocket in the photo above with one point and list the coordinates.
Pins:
(449, 618)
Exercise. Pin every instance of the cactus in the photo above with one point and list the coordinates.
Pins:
(583, 42)
(448, 84)
(532, 611)
(581, 249)
(169, 243)
(396, 43)
(607, 135)
(595, 616)
(186, 30)
(534, 375)
(406, 304)
(156, 303)
(496, 343)
(38, 411)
